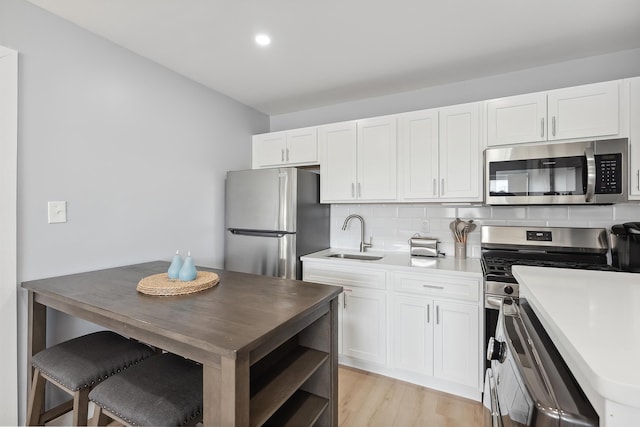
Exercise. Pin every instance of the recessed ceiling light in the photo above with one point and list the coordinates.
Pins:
(263, 39)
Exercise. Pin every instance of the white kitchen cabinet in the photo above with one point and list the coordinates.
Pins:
(413, 322)
(419, 148)
(442, 154)
(456, 337)
(362, 319)
(436, 324)
(295, 147)
(576, 112)
(358, 160)
(460, 153)
(363, 326)
(634, 138)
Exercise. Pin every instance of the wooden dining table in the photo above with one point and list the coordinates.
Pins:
(268, 346)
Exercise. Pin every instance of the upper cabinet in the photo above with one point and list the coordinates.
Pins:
(296, 147)
(577, 112)
(441, 154)
(634, 138)
(358, 160)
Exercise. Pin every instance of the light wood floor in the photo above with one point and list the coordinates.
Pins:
(367, 399)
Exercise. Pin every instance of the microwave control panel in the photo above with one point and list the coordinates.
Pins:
(608, 173)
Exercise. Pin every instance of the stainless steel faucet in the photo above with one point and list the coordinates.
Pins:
(363, 245)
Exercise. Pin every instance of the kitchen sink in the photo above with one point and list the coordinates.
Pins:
(356, 256)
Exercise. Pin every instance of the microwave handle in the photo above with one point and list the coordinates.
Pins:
(591, 173)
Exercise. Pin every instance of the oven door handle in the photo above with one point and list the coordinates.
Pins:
(591, 173)
(496, 418)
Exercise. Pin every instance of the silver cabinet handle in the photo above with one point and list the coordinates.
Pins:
(282, 155)
(442, 187)
(435, 186)
(553, 125)
(638, 175)
(437, 314)
(542, 127)
(344, 299)
(287, 154)
(353, 190)
(428, 313)
(433, 287)
(359, 192)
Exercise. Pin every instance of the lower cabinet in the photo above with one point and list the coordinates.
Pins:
(419, 327)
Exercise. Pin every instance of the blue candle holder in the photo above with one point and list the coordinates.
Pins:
(188, 271)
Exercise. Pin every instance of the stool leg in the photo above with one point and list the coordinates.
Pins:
(80, 407)
(99, 417)
(35, 405)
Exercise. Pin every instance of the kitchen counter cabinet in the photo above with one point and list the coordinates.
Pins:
(634, 138)
(257, 337)
(592, 317)
(417, 324)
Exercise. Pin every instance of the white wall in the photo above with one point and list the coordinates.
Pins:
(570, 73)
(138, 152)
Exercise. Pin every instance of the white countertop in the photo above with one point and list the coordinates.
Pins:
(402, 260)
(593, 318)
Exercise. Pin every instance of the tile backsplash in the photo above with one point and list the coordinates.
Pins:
(392, 225)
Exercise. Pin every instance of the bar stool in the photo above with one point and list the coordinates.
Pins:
(164, 390)
(76, 366)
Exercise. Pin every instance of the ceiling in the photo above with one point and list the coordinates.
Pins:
(329, 51)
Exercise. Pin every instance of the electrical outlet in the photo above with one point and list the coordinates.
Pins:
(57, 212)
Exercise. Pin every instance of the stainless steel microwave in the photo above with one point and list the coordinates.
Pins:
(571, 173)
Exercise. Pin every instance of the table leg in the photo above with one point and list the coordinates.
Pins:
(37, 335)
(234, 391)
(211, 395)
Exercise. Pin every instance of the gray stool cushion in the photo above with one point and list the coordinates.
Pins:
(164, 390)
(85, 361)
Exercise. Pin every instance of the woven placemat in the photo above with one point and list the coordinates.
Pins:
(160, 284)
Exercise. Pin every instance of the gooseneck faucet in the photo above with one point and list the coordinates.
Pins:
(363, 245)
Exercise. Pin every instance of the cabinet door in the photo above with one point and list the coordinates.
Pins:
(456, 343)
(269, 149)
(377, 148)
(363, 325)
(517, 119)
(459, 148)
(634, 138)
(584, 111)
(413, 320)
(338, 162)
(419, 147)
(302, 146)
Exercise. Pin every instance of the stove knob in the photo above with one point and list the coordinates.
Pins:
(508, 289)
(496, 350)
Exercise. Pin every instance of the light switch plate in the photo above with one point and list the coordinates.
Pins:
(57, 212)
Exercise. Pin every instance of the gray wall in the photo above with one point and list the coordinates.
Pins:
(571, 73)
(138, 152)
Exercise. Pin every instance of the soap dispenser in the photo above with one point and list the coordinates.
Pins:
(176, 265)
(188, 271)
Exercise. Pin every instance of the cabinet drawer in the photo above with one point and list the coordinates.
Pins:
(344, 276)
(438, 286)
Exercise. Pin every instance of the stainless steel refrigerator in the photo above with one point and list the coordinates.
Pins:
(272, 218)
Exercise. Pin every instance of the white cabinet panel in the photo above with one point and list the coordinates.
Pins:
(286, 148)
(456, 343)
(584, 111)
(419, 145)
(338, 147)
(377, 146)
(364, 325)
(413, 320)
(517, 119)
(459, 147)
(634, 138)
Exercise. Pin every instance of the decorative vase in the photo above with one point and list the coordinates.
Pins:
(176, 265)
(188, 271)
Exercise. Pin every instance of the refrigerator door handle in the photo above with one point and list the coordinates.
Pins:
(258, 233)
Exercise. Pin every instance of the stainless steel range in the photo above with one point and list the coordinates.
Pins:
(527, 383)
